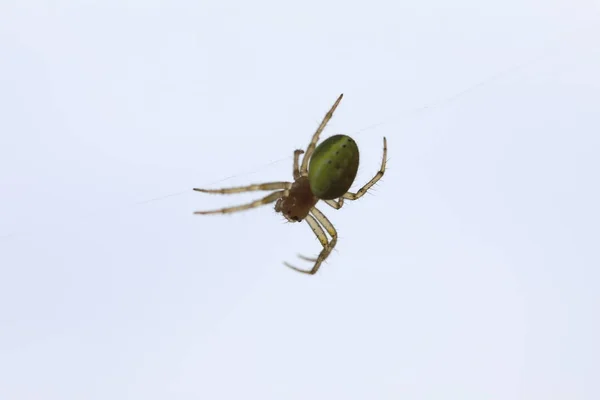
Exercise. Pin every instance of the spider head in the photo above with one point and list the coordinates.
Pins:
(296, 205)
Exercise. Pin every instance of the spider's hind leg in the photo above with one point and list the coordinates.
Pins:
(373, 181)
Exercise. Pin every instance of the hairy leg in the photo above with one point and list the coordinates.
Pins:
(378, 175)
(265, 200)
(315, 138)
(249, 188)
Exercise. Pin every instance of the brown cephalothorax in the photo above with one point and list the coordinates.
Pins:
(299, 201)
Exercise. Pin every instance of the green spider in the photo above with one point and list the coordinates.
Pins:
(328, 176)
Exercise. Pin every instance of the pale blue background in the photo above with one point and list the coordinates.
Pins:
(471, 272)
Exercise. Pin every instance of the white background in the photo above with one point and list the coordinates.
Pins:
(470, 272)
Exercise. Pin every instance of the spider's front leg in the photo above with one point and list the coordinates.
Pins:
(285, 186)
(315, 138)
(249, 188)
(315, 224)
(257, 203)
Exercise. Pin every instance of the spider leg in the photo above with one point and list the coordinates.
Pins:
(315, 224)
(378, 175)
(257, 203)
(249, 188)
(337, 204)
(296, 163)
(315, 138)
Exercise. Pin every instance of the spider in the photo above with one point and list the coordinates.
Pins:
(326, 173)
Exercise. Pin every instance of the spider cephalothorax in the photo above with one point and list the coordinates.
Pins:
(331, 172)
(298, 201)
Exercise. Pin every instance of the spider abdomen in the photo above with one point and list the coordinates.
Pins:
(333, 167)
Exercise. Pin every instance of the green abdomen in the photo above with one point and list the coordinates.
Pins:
(333, 167)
